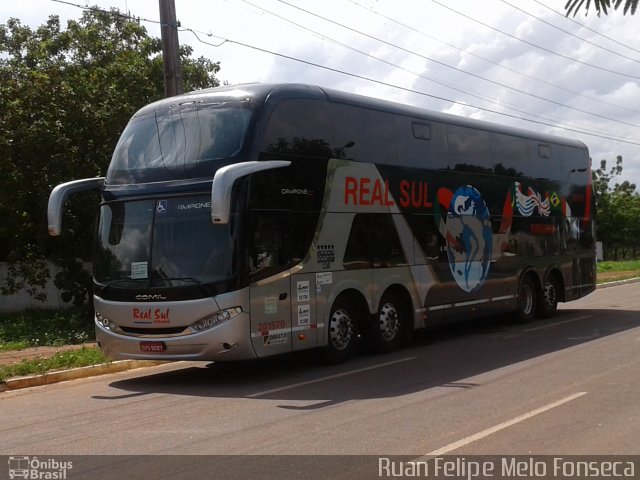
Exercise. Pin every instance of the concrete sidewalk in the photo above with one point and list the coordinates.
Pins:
(55, 376)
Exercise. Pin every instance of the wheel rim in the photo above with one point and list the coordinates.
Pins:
(526, 299)
(388, 321)
(550, 294)
(340, 329)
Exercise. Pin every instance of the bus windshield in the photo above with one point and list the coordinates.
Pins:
(191, 142)
(164, 242)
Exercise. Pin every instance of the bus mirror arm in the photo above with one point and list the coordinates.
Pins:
(60, 194)
(223, 182)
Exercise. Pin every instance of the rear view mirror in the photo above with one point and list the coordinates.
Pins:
(223, 182)
(60, 194)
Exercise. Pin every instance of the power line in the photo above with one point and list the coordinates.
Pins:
(587, 27)
(497, 64)
(456, 68)
(368, 55)
(568, 32)
(409, 90)
(362, 77)
(535, 45)
(114, 12)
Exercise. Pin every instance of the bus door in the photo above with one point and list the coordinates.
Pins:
(270, 285)
(271, 315)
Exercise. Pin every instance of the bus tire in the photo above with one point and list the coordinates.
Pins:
(527, 300)
(549, 297)
(343, 331)
(386, 329)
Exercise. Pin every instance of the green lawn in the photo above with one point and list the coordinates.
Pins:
(614, 271)
(34, 328)
(54, 328)
(69, 359)
(619, 266)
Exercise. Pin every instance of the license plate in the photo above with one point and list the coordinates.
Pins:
(152, 346)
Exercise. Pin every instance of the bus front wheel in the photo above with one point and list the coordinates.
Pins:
(343, 331)
(386, 328)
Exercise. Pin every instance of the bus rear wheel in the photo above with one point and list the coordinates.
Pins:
(343, 332)
(549, 300)
(387, 327)
(527, 300)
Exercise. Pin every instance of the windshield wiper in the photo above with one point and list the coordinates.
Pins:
(149, 283)
(203, 286)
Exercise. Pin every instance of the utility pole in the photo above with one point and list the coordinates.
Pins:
(170, 49)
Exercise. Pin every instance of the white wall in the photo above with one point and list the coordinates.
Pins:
(22, 301)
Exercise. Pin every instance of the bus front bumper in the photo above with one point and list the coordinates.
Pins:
(229, 341)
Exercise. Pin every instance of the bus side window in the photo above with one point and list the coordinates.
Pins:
(277, 240)
(373, 243)
(266, 244)
(426, 235)
(272, 246)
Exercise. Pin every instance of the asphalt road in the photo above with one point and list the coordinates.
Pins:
(568, 385)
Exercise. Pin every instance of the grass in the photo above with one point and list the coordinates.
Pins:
(35, 328)
(53, 328)
(619, 266)
(61, 360)
(614, 271)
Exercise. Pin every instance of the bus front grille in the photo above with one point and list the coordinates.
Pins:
(154, 331)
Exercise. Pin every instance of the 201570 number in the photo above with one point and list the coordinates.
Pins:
(273, 325)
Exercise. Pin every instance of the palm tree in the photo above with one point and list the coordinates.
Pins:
(601, 6)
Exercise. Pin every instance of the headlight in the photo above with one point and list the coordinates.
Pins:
(106, 323)
(216, 319)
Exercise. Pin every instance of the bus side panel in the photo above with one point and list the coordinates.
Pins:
(304, 322)
(271, 315)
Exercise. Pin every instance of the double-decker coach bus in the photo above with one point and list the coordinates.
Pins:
(247, 221)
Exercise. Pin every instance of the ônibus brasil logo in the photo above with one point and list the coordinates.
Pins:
(35, 468)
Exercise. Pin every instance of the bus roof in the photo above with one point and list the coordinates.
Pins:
(274, 92)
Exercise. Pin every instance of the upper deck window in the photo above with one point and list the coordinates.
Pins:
(191, 142)
(299, 127)
(468, 149)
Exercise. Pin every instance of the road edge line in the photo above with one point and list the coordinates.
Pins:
(501, 426)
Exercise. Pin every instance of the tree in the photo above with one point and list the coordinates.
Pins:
(602, 178)
(625, 203)
(65, 96)
(618, 212)
(601, 6)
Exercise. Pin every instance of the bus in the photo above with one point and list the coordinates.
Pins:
(246, 221)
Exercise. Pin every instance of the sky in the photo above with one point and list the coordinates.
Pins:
(511, 62)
